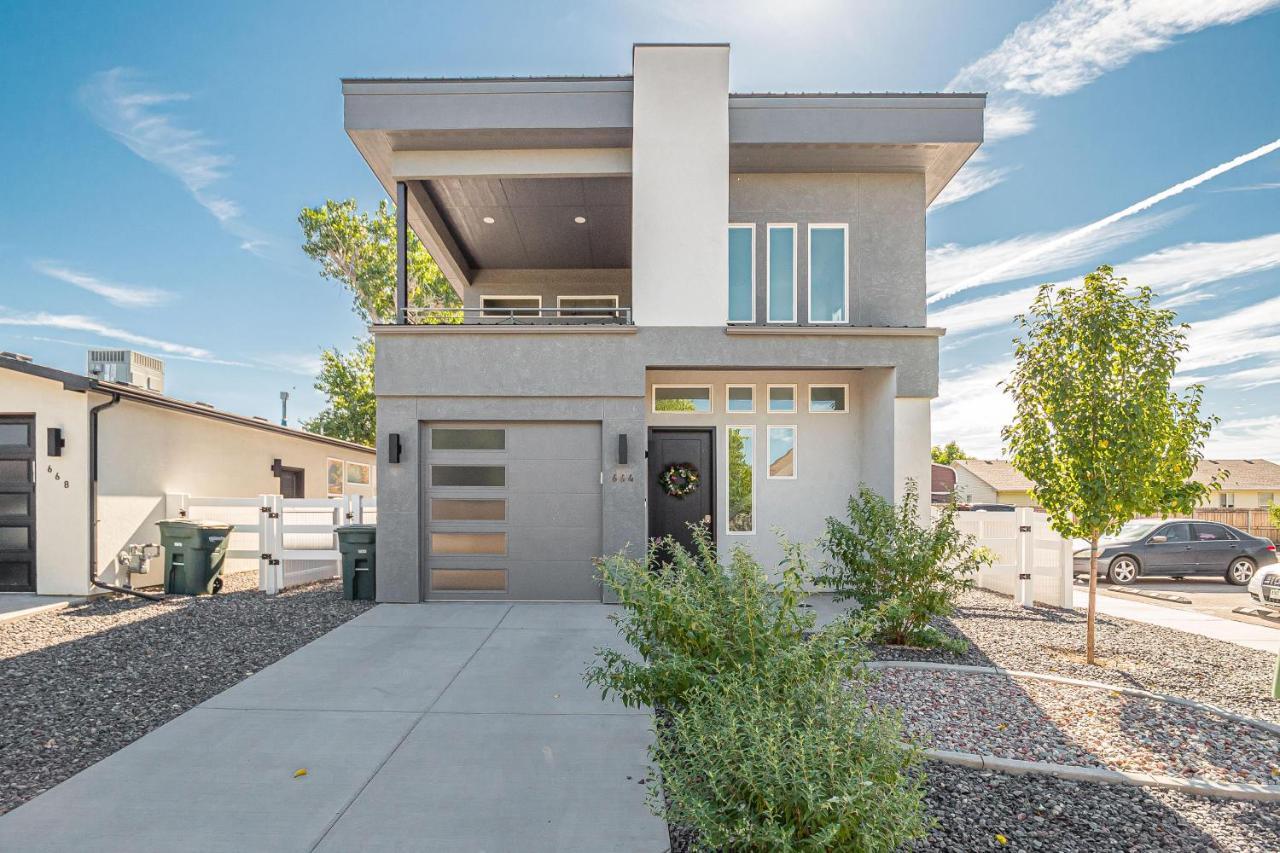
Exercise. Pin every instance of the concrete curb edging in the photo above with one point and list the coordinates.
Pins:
(1097, 775)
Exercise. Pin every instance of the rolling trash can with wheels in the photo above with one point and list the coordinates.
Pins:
(194, 552)
(358, 545)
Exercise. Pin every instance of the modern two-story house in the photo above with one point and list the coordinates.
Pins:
(681, 305)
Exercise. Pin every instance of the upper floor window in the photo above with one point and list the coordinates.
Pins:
(742, 273)
(781, 266)
(828, 274)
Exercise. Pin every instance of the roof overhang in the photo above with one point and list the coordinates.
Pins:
(929, 134)
(415, 130)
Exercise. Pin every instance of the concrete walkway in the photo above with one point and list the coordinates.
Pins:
(1245, 634)
(449, 727)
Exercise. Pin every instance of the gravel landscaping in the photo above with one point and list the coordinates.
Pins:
(1042, 813)
(1034, 720)
(77, 684)
(985, 810)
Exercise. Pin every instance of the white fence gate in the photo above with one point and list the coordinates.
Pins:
(290, 540)
(1033, 563)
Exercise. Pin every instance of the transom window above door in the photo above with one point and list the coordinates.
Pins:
(828, 399)
(682, 399)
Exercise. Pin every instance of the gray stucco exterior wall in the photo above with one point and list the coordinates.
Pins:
(885, 215)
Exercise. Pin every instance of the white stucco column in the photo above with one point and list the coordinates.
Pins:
(680, 185)
(912, 435)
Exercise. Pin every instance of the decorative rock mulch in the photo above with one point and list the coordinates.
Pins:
(1034, 720)
(79, 683)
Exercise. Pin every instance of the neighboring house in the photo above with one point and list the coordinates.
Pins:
(147, 445)
(1248, 483)
(662, 281)
(985, 481)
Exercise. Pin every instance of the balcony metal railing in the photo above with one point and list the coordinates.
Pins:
(518, 316)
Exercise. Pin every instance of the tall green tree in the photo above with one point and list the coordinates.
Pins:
(347, 382)
(1098, 428)
(948, 453)
(358, 250)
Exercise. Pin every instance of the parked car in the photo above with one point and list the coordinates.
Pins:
(1177, 548)
(1265, 587)
(986, 507)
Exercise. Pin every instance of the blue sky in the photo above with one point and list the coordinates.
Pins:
(155, 157)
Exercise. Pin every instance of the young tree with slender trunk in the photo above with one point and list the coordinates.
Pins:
(1098, 428)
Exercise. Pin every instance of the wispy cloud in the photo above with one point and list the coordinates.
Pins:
(1176, 272)
(120, 102)
(89, 325)
(1249, 188)
(126, 296)
(1047, 250)
(976, 177)
(1075, 42)
(971, 408)
(1071, 45)
(952, 268)
(1245, 438)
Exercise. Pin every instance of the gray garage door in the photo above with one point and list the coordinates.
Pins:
(512, 510)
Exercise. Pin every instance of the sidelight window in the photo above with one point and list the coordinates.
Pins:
(741, 497)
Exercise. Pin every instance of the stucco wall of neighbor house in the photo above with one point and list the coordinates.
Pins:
(146, 452)
(607, 362)
(680, 187)
(829, 457)
(885, 215)
(1016, 498)
(549, 285)
(972, 489)
(1243, 498)
(61, 482)
(400, 485)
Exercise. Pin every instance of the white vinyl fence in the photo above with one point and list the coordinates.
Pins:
(1033, 563)
(290, 540)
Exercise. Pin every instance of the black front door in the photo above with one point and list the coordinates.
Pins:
(17, 503)
(671, 514)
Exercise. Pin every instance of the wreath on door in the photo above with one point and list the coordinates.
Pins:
(679, 479)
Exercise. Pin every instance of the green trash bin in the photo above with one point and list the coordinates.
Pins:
(194, 552)
(358, 545)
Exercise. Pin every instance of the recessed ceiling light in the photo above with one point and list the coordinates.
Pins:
(581, 220)
(488, 220)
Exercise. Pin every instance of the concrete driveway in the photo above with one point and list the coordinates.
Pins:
(450, 727)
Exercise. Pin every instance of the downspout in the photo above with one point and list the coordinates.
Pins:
(93, 506)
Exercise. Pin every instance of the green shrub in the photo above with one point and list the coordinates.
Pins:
(786, 755)
(901, 573)
(689, 617)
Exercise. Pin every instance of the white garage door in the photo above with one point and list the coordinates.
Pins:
(512, 510)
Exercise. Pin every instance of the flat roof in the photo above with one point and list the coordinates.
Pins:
(80, 383)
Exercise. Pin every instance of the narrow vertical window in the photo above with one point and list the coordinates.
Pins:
(782, 453)
(742, 494)
(742, 273)
(781, 251)
(828, 274)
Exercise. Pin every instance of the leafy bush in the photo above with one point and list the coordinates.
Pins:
(689, 617)
(786, 755)
(900, 572)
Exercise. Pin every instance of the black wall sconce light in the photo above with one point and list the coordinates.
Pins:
(393, 448)
(622, 448)
(56, 441)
